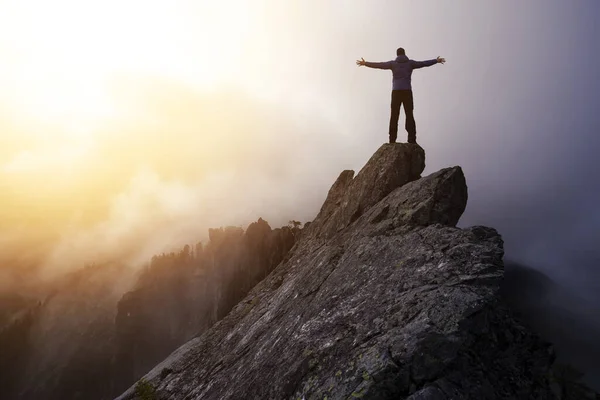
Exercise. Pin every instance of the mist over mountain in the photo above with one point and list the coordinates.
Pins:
(92, 332)
(529, 151)
(153, 204)
(130, 130)
(559, 314)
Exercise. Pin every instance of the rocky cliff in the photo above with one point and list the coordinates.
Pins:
(381, 298)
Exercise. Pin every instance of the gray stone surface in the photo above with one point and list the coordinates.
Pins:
(390, 167)
(382, 298)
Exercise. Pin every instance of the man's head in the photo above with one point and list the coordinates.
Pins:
(400, 51)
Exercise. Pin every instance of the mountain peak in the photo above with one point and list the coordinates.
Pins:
(382, 297)
(392, 165)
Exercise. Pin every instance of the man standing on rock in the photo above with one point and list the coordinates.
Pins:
(402, 68)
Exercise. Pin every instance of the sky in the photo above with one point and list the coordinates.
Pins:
(130, 127)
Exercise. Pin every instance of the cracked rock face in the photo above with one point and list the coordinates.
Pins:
(382, 298)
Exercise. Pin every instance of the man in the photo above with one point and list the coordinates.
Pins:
(402, 68)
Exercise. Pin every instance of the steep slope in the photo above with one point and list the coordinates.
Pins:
(381, 298)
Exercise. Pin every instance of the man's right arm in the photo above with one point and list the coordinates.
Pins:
(379, 65)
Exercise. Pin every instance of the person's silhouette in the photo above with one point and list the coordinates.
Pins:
(402, 68)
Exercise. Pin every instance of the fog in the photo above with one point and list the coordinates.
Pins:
(515, 106)
(203, 161)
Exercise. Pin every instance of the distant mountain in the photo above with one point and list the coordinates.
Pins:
(85, 339)
(558, 315)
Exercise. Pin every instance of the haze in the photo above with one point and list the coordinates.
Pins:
(129, 128)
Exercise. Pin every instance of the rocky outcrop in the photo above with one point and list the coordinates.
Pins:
(382, 298)
(389, 168)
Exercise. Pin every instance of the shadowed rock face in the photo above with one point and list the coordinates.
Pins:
(382, 298)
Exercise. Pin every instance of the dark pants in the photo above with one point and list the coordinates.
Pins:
(400, 97)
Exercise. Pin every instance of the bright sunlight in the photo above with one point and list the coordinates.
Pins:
(62, 60)
(94, 91)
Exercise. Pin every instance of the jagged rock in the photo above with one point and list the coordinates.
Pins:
(390, 167)
(441, 198)
(382, 298)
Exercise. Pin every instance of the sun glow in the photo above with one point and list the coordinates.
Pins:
(92, 91)
(61, 58)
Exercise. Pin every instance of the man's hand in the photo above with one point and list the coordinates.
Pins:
(441, 60)
(361, 62)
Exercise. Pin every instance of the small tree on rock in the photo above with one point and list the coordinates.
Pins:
(294, 224)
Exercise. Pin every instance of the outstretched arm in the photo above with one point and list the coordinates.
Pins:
(428, 63)
(379, 65)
